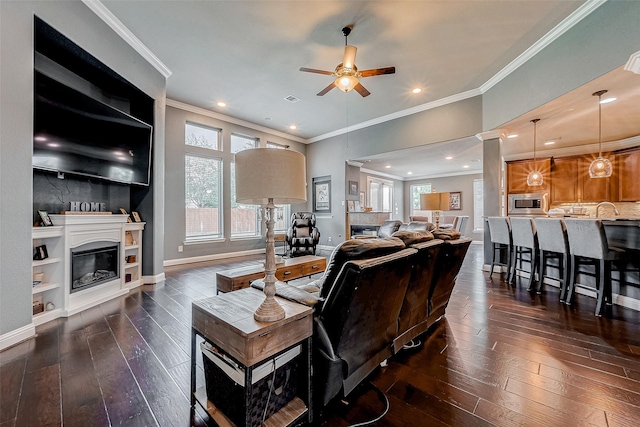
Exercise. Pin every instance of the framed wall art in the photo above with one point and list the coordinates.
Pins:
(354, 188)
(322, 194)
(455, 201)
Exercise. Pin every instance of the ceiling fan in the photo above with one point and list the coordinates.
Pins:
(346, 73)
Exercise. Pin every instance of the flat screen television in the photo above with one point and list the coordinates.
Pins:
(77, 134)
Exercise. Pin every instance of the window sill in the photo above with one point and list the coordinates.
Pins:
(241, 238)
(204, 241)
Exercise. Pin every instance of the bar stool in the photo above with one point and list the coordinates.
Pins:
(525, 241)
(500, 231)
(554, 243)
(588, 244)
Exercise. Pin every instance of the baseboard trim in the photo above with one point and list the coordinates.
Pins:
(17, 336)
(154, 280)
(180, 261)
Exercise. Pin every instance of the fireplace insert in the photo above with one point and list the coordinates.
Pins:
(93, 264)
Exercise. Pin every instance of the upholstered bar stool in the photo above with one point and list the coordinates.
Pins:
(588, 244)
(500, 231)
(553, 243)
(524, 241)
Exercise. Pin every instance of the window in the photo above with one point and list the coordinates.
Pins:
(478, 205)
(203, 176)
(416, 191)
(282, 212)
(245, 219)
(380, 194)
(202, 136)
(203, 183)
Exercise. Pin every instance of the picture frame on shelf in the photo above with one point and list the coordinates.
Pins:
(45, 220)
(350, 206)
(40, 253)
(123, 211)
(136, 216)
(354, 188)
(455, 201)
(322, 194)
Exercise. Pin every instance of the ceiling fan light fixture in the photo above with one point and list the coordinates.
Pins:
(600, 167)
(346, 83)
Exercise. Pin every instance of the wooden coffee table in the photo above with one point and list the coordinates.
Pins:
(292, 268)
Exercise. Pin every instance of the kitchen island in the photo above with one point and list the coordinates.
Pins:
(623, 233)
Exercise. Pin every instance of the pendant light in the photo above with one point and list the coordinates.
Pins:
(600, 167)
(534, 178)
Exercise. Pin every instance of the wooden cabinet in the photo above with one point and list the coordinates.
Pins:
(628, 171)
(517, 172)
(564, 182)
(570, 181)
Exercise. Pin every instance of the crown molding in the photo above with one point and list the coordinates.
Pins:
(229, 119)
(633, 64)
(576, 150)
(355, 163)
(578, 15)
(382, 174)
(409, 111)
(116, 25)
(444, 175)
(491, 134)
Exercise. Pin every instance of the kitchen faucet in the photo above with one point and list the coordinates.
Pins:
(615, 210)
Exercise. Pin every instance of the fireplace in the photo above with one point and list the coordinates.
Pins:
(93, 264)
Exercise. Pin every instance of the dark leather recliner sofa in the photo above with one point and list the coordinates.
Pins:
(375, 296)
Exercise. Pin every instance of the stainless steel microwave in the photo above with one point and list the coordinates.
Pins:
(528, 204)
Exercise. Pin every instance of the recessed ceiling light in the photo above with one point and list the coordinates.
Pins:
(549, 143)
(221, 104)
(466, 166)
(388, 167)
(448, 157)
(513, 135)
(409, 173)
(293, 127)
(608, 100)
(416, 90)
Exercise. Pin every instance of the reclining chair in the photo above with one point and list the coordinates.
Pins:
(302, 235)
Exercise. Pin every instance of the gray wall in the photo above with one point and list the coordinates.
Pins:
(82, 26)
(602, 41)
(327, 157)
(175, 189)
(463, 183)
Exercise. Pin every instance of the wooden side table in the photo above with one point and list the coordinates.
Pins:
(226, 322)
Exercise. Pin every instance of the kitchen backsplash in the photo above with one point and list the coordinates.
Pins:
(626, 209)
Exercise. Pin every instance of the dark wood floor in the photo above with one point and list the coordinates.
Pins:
(500, 357)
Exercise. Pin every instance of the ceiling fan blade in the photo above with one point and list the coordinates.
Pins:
(326, 89)
(313, 70)
(362, 91)
(378, 71)
(349, 56)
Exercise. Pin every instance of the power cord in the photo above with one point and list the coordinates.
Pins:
(379, 417)
(412, 344)
(273, 381)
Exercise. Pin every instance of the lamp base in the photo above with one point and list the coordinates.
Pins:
(269, 311)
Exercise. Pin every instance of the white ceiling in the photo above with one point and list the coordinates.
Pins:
(248, 54)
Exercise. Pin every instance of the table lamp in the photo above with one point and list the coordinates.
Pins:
(269, 176)
(435, 202)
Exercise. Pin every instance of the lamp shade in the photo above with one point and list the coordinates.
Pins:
(434, 201)
(270, 173)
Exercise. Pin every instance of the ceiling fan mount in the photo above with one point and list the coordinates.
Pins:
(346, 73)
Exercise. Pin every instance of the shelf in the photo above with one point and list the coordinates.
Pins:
(126, 248)
(45, 262)
(45, 232)
(46, 316)
(131, 265)
(284, 417)
(42, 287)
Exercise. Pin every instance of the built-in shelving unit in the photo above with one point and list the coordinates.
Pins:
(52, 268)
(133, 248)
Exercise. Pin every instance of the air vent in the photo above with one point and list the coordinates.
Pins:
(292, 99)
